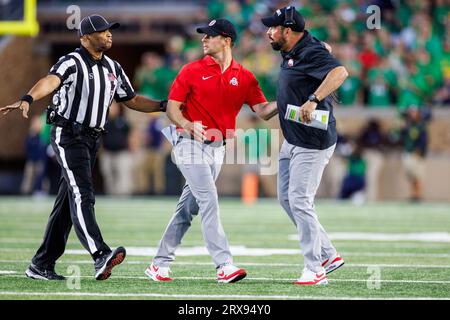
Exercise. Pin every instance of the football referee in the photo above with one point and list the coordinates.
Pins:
(84, 83)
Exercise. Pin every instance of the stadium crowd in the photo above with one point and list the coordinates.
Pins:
(404, 64)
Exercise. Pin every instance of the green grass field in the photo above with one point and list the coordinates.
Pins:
(382, 269)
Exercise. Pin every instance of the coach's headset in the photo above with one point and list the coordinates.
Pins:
(289, 20)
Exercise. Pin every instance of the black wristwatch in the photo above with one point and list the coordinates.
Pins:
(313, 98)
(163, 105)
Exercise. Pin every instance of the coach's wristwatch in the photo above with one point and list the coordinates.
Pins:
(313, 98)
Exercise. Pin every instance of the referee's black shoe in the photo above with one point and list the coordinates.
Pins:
(38, 273)
(105, 263)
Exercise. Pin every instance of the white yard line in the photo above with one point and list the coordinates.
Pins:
(15, 250)
(208, 296)
(296, 265)
(21, 240)
(263, 279)
(7, 272)
(242, 251)
(396, 254)
(257, 264)
(343, 243)
(443, 237)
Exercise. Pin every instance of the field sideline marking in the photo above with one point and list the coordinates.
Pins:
(242, 251)
(264, 279)
(257, 264)
(402, 244)
(235, 296)
(443, 237)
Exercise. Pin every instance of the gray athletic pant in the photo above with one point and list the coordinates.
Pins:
(200, 164)
(300, 172)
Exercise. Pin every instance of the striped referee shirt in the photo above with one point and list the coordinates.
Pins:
(88, 87)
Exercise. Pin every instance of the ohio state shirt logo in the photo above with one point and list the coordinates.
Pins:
(290, 62)
(234, 81)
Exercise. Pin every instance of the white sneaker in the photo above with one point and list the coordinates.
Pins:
(333, 263)
(230, 273)
(158, 273)
(312, 278)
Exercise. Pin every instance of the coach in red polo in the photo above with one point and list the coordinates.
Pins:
(216, 87)
(204, 101)
(214, 96)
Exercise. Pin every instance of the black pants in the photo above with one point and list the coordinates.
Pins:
(76, 152)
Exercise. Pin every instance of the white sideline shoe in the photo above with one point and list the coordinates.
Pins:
(230, 273)
(312, 278)
(158, 273)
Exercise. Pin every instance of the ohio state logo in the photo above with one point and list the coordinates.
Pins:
(291, 62)
(212, 23)
(234, 81)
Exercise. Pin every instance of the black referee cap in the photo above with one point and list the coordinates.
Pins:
(286, 17)
(219, 27)
(95, 23)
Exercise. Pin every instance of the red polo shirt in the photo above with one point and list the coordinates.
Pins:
(215, 98)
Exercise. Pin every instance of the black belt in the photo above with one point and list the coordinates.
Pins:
(212, 143)
(77, 127)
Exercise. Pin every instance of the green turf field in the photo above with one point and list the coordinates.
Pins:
(382, 269)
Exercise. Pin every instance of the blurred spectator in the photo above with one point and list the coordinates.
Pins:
(378, 90)
(414, 89)
(355, 181)
(368, 56)
(257, 148)
(443, 94)
(136, 145)
(215, 9)
(174, 49)
(397, 65)
(235, 12)
(155, 74)
(48, 181)
(337, 168)
(153, 176)
(349, 91)
(431, 70)
(36, 153)
(115, 160)
(414, 138)
(382, 85)
(146, 78)
(372, 141)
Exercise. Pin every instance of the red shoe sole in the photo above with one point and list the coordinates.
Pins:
(116, 261)
(312, 283)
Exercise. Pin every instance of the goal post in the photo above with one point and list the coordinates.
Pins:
(26, 27)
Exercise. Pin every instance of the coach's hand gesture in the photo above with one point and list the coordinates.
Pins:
(306, 111)
(22, 105)
(196, 129)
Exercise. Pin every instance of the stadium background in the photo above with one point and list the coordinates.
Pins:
(403, 64)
